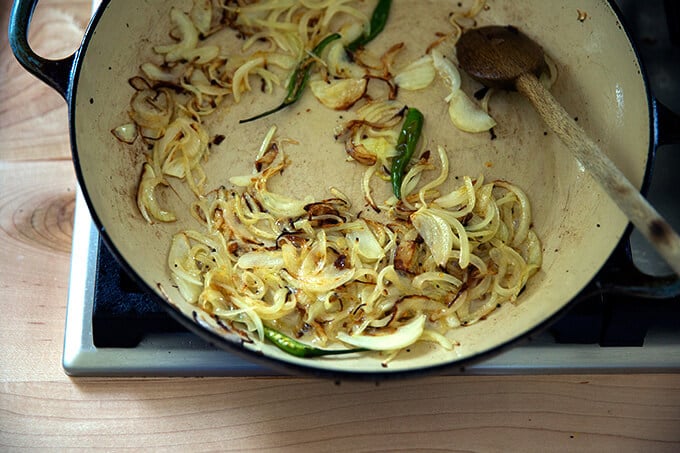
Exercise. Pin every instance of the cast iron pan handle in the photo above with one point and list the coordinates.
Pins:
(620, 275)
(55, 73)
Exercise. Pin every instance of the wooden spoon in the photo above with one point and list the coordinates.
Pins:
(503, 57)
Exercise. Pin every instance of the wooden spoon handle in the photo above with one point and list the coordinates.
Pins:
(647, 220)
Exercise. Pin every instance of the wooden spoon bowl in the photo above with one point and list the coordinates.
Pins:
(497, 56)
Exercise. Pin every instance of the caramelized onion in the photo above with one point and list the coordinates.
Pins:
(338, 94)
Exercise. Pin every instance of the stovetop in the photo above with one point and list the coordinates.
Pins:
(114, 329)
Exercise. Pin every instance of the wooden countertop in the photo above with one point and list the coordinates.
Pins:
(40, 407)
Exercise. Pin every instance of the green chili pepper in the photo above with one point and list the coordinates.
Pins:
(298, 79)
(294, 347)
(377, 24)
(406, 145)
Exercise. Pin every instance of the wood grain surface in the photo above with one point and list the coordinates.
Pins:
(43, 409)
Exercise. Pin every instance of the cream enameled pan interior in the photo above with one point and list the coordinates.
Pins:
(599, 82)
